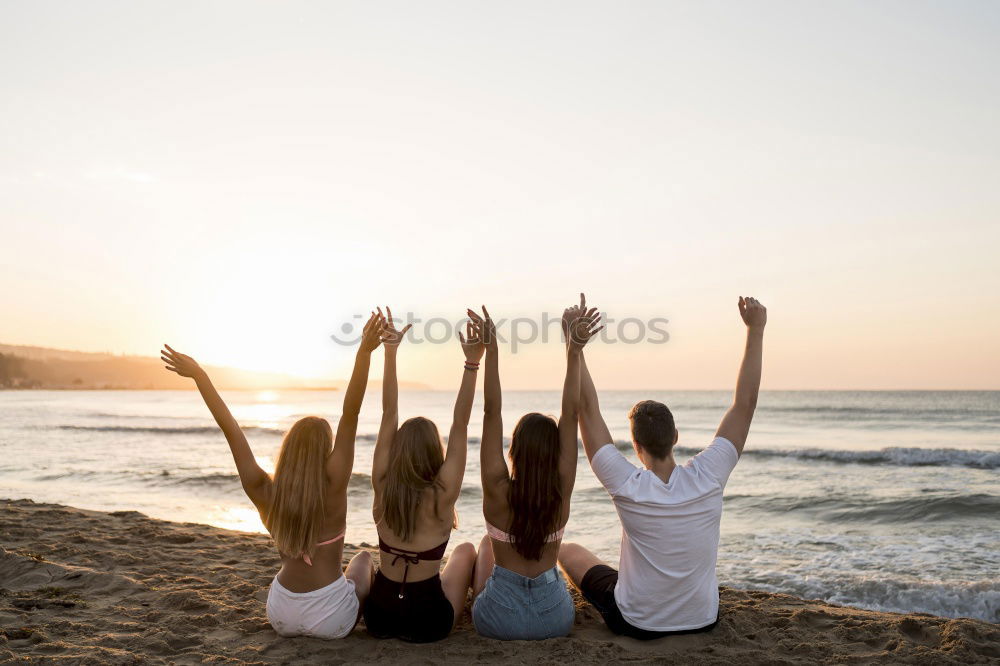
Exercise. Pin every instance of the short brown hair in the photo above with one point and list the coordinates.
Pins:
(653, 427)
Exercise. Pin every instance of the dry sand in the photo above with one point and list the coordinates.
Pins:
(121, 588)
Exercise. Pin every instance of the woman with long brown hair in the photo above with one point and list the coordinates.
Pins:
(304, 505)
(518, 590)
(416, 486)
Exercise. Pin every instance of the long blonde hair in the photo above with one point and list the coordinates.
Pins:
(297, 508)
(415, 458)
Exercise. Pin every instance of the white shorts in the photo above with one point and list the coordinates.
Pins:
(329, 612)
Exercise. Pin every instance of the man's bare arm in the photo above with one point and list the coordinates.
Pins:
(593, 430)
(735, 424)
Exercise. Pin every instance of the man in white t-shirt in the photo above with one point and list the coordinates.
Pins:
(670, 513)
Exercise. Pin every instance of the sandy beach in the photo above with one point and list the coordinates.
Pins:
(121, 588)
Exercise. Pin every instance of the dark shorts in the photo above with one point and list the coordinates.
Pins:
(423, 615)
(598, 587)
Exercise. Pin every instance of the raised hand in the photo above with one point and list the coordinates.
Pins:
(389, 335)
(371, 334)
(487, 327)
(579, 323)
(754, 314)
(182, 364)
(255, 481)
(472, 341)
(575, 312)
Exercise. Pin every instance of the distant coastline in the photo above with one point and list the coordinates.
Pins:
(144, 388)
(40, 368)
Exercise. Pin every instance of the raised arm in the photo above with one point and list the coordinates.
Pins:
(340, 464)
(579, 325)
(493, 467)
(453, 469)
(593, 429)
(736, 423)
(390, 399)
(254, 479)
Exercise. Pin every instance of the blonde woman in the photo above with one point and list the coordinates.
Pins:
(416, 486)
(304, 506)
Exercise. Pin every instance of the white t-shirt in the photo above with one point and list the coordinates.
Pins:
(670, 536)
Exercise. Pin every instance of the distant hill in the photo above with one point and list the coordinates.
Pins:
(25, 367)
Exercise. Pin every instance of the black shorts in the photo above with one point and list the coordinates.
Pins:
(598, 587)
(423, 615)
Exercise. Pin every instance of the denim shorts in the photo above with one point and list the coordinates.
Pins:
(514, 607)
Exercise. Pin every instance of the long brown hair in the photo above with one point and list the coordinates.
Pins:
(297, 508)
(415, 458)
(535, 492)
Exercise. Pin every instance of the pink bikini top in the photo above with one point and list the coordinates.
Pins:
(498, 534)
(305, 556)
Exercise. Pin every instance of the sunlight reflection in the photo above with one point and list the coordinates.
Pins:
(265, 415)
(267, 396)
(266, 463)
(244, 519)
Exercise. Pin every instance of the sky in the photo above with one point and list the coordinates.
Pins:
(241, 179)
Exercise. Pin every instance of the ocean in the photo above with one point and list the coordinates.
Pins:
(881, 500)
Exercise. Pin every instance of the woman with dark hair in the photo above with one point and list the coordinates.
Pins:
(518, 589)
(416, 486)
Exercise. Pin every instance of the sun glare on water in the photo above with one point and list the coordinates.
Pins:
(266, 463)
(244, 519)
(265, 411)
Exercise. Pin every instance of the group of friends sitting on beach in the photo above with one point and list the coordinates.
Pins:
(666, 581)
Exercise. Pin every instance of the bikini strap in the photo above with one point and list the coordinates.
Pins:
(405, 555)
(408, 556)
(411, 557)
(333, 540)
(308, 560)
(498, 534)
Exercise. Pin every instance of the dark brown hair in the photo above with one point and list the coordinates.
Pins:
(415, 458)
(653, 428)
(535, 491)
